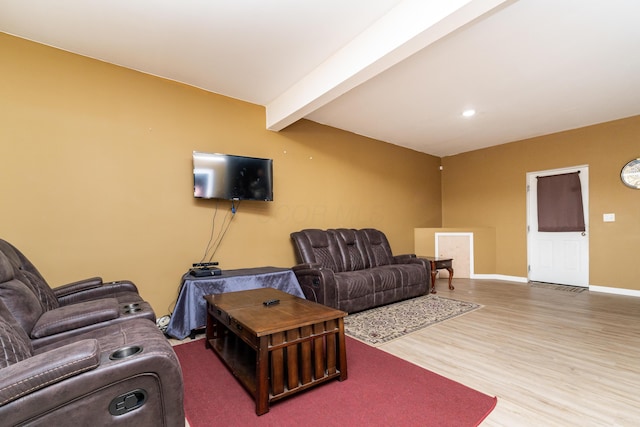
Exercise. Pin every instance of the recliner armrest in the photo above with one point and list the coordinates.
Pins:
(48, 368)
(75, 316)
(92, 288)
(80, 285)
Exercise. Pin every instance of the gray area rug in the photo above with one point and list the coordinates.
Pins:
(564, 288)
(383, 324)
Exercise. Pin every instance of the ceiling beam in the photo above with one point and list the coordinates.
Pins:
(406, 29)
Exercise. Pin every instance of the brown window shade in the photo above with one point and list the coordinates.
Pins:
(560, 203)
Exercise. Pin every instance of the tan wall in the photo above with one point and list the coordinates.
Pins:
(96, 175)
(487, 188)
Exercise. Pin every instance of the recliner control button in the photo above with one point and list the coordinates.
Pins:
(127, 402)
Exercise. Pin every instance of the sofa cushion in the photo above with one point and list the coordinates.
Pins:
(352, 252)
(13, 349)
(387, 277)
(377, 247)
(21, 303)
(7, 272)
(15, 345)
(26, 272)
(355, 290)
(40, 288)
(320, 247)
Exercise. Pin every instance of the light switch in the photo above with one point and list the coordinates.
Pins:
(610, 217)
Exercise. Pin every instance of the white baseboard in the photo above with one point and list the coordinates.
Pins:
(603, 289)
(499, 277)
(617, 291)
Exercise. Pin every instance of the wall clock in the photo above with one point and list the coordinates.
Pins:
(630, 174)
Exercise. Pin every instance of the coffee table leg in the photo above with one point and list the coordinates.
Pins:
(210, 329)
(342, 351)
(262, 377)
(450, 270)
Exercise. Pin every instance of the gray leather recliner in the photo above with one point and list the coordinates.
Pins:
(83, 290)
(44, 325)
(123, 374)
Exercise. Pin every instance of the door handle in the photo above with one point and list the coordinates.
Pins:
(584, 233)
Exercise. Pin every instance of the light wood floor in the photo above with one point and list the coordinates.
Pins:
(553, 358)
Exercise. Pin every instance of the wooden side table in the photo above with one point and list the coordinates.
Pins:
(438, 263)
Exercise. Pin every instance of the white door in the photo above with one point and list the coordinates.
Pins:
(562, 257)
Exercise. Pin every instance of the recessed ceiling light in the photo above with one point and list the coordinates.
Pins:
(469, 113)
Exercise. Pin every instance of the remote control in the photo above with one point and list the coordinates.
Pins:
(270, 302)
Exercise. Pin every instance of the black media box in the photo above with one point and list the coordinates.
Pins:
(205, 271)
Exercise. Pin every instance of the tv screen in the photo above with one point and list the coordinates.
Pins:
(224, 176)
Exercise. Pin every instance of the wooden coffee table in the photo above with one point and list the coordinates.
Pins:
(276, 350)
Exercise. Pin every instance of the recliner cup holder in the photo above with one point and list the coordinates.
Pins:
(124, 352)
(133, 307)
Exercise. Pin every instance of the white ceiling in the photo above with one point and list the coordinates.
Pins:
(398, 71)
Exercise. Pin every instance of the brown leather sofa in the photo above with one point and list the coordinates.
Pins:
(116, 373)
(353, 270)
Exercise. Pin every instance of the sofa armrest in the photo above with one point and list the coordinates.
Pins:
(404, 258)
(317, 283)
(306, 266)
(413, 259)
(75, 316)
(48, 368)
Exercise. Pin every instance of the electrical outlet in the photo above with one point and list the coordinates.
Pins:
(609, 217)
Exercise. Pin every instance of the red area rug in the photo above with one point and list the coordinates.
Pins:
(382, 390)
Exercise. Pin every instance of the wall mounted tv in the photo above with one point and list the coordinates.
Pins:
(224, 176)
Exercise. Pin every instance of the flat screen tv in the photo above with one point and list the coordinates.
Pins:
(229, 177)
